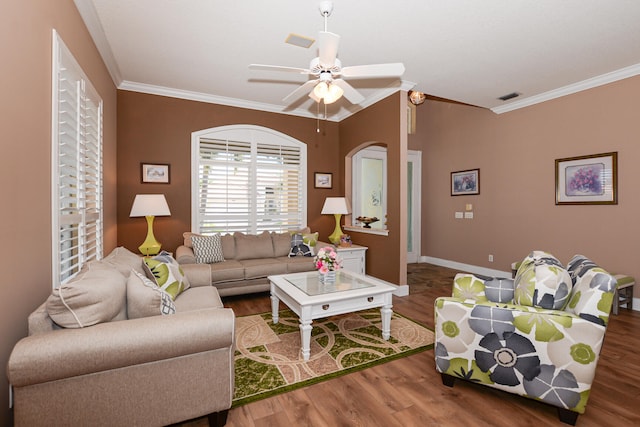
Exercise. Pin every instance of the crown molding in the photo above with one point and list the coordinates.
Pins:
(593, 82)
(92, 22)
(272, 108)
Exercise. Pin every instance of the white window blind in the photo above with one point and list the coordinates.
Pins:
(77, 167)
(250, 185)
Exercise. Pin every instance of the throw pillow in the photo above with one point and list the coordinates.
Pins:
(593, 292)
(499, 289)
(298, 247)
(145, 299)
(207, 249)
(542, 281)
(311, 240)
(95, 296)
(166, 273)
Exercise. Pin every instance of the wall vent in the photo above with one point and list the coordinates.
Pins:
(509, 96)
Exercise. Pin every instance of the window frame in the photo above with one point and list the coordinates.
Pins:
(253, 135)
(77, 185)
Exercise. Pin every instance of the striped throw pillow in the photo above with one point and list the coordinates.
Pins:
(207, 249)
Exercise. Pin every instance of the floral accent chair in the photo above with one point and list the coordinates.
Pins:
(538, 335)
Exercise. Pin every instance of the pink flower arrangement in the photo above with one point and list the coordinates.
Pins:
(327, 260)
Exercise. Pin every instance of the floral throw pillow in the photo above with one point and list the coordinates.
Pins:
(542, 281)
(166, 273)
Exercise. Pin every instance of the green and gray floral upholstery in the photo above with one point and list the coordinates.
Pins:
(538, 335)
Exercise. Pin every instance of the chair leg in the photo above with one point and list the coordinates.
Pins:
(218, 419)
(448, 380)
(567, 416)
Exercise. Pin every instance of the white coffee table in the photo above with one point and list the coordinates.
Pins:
(309, 299)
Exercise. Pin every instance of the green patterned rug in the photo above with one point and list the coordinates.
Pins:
(268, 359)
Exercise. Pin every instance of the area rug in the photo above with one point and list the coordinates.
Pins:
(268, 360)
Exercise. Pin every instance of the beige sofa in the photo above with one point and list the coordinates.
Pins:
(248, 260)
(107, 368)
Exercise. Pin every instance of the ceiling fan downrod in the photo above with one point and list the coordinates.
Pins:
(326, 7)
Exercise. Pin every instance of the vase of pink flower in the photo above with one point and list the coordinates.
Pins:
(327, 263)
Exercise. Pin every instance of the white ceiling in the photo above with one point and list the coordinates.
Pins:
(469, 51)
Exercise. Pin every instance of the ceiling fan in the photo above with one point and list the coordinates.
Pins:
(329, 83)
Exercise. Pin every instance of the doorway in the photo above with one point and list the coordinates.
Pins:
(414, 178)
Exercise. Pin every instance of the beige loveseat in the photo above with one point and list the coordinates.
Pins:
(114, 364)
(248, 260)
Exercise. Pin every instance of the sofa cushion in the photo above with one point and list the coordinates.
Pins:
(207, 249)
(498, 289)
(299, 247)
(250, 246)
(281, 244)
(259, 268)
(187, 238)
(542, 281)
(225, 271)
(298, 264)
(198, 298)
(96, 295)
(124, 260)
(166, 273)
(145, 298)
(592, 295)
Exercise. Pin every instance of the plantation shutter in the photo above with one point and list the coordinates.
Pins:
(77, 167)
(249, 186)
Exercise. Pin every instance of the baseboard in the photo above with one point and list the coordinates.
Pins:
(465, 267)
(402, 291)
(485, 271)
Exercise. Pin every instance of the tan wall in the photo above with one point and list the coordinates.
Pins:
(381, 123)
(25, 164)
(157, 129)
(515, 211)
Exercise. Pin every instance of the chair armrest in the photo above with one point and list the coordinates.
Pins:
(185, 255)
(72, 352)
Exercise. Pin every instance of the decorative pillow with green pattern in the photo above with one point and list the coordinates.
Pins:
(166, 273)
(469, 287)
(542, 281)
(592, 294)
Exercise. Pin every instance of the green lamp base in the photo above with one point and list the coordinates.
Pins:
(337, 232)
(150, 246)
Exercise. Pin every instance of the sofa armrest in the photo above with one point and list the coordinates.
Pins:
(198, 274)
(72, 352)
(185, 255)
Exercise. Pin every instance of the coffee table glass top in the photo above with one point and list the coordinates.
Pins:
(310, 284)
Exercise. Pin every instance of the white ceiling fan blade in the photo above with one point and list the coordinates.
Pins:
(262, 67)
(373, 71)
(349, 92)
(328, 48)
(300, 91)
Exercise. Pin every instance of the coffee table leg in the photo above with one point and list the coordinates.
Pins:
(275, 305)
(305, 336)
(385, 313)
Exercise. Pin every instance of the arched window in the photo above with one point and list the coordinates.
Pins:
(248, 179)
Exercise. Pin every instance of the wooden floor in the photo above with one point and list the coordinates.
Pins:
(409, 391)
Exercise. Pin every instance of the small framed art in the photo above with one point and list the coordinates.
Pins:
(155, 173)
(465, 182)
(587, 180)
(323, 180)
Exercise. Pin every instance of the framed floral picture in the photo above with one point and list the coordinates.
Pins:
(465, 182)
(155, 173)
(587, 180)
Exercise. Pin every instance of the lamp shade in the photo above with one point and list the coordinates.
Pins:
(150, 205)
(336, 205)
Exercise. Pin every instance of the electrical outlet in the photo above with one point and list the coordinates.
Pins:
(490, 258)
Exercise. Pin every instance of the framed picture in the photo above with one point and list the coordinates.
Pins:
(323, 180)
(155, 173)
(587, 180)
(465, 182)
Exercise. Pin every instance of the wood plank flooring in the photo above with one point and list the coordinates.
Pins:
(409, 391)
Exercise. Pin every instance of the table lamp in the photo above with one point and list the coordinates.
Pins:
(336, 206)
(150, 206)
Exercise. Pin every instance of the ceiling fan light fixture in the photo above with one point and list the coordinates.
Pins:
(416, 97)
(334, 93)
(321, 89)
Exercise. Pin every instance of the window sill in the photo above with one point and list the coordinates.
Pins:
(377, 231)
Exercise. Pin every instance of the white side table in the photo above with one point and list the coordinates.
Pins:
(353, 258)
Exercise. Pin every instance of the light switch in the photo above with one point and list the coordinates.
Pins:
(468, 215)
(459, 215)
(469, 207)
